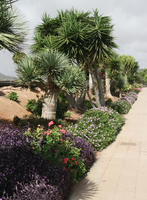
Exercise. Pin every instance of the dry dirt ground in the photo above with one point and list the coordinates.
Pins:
(9, 109)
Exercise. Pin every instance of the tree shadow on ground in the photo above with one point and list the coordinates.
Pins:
(84, 190)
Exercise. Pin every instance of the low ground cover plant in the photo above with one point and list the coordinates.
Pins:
(130, 97)
(137, 90)
(23, 174)
(98, 126)
(13, 96)
(122, 106)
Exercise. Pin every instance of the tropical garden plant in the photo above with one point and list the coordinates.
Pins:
(11, 29)
(98, 126)
(53, 73)
(13, 96)
(84, 37)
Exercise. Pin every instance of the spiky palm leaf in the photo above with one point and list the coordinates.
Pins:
(11, 32)
(27, 72)
(53, 70)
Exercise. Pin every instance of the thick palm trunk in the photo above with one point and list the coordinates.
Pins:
(107, 85)
(76, 101)
(49, 106)
(99, 85)
(98, 104)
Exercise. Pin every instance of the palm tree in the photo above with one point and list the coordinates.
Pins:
(116, 75)
(11, 31)
(130, 67)
(84, 38)
(52, 72)
(101, 43)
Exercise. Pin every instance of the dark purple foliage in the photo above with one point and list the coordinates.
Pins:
(87, 153)
(25, 176)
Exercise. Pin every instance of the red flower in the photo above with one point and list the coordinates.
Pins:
(60, 126)
(50, 123)
(73, 158)
(61, 140)
(62, 131)
(48, 132)
(76, 162)
(65, 160)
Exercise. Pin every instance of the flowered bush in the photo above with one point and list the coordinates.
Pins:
(24, 175)
(137, 90)
(99, 126)
(52, 146)
(87, 152)
(121, 106)
(130, 97)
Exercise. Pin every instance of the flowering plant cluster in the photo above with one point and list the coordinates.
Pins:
(99, 126)
(122, 106)
(137, 90)
(23, 174)
(130, 97)
(52, 146)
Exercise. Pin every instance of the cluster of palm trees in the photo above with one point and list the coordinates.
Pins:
(66, 50)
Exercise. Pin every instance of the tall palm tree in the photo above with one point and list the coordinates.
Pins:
(101, 43)
(86, 39)
(52, 72)
(11, 30)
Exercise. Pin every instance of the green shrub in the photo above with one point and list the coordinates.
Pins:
(31, 121)
(121, 106)
(67, 114)
(87, 105)
(52, 147)
(108, 102)
(99, 126)
(62, 106)
(13, 96)
(35, 107)
(16, 120)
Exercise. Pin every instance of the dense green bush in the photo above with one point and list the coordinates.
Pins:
(13, 96)
(108, 102)
(121, 106)
(87, 105)
(35, 107)
(99, 126)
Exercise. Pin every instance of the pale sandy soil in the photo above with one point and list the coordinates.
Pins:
(9, 109)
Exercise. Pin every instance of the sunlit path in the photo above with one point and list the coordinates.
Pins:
(120, 173)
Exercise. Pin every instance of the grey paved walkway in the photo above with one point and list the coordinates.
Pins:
(120, 173)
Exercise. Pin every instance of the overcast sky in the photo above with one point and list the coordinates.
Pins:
(128, 16)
